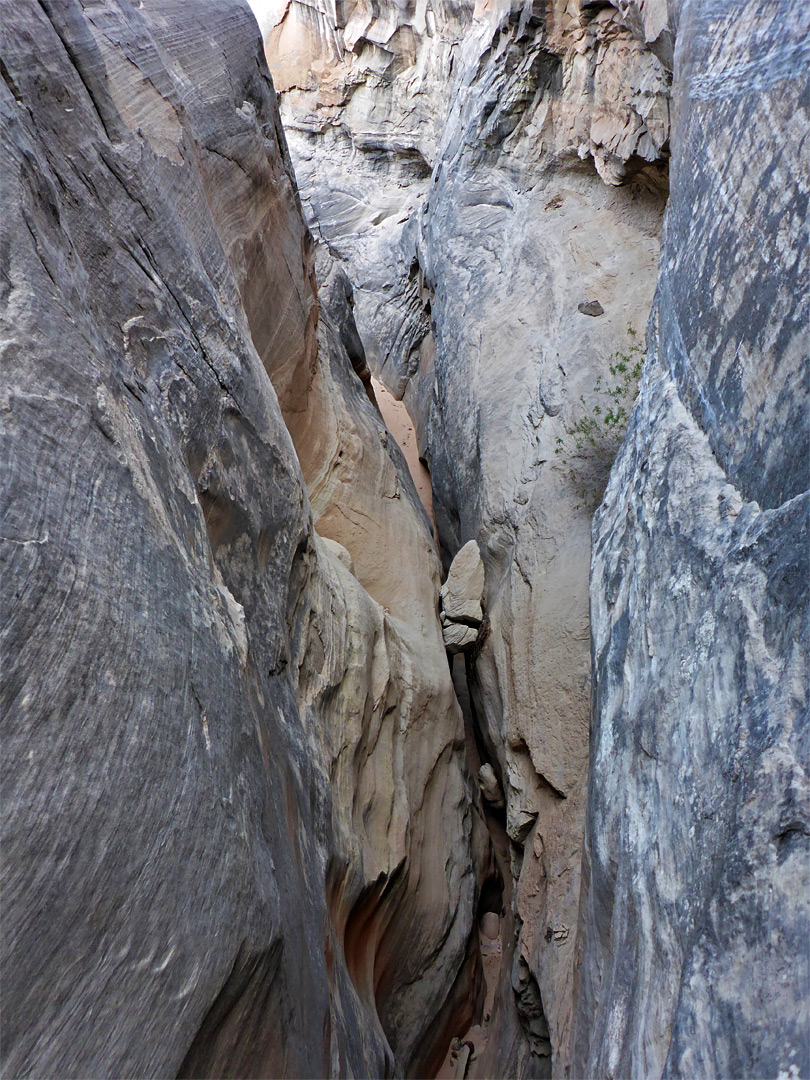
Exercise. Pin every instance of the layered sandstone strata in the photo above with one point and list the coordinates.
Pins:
(225, 739)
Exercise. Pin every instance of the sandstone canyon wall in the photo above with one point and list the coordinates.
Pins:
(493, 177)
(484, 172)
(242, 831)
(696, 927)
(228, 724)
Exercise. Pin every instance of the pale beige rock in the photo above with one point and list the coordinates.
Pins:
(375, 691)
(332, 547)
(490, 788)
(463, 590)
(652, 21)
(509, 165)
(399, 423)
(458, 637)
(490, 924)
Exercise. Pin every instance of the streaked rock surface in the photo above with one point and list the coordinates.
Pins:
(222, 749)
(239, 833)
(697, 918)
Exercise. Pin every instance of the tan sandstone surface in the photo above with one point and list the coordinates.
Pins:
(492, 178)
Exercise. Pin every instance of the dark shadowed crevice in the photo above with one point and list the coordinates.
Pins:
(240, 1019)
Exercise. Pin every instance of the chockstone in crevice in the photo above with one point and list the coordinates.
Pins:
(279, 800)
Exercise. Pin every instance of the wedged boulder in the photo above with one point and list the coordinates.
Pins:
(463, 590)
(461, 599)
(459, 637)
(490, 788)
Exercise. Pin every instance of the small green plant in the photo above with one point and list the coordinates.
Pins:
(589, 446)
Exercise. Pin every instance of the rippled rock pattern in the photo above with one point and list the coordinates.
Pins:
(224, 739)
(247, 829)
(698, 907)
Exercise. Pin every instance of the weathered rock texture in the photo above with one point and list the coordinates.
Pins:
(697, 919)
(225, 741)
(461, 596)
(482, 171)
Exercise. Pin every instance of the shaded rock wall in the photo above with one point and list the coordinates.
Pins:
(222, 748)
(500, 166)
(697, 918)
(517, 233)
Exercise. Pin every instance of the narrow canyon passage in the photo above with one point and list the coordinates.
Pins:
(405, 640)
(502, 265)
(502, 1007)
(474, 1049)
(494, 182)
(399, 423)
(496, 1011)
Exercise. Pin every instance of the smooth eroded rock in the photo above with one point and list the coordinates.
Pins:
(479, 170)
(459, 637)
(237, 830)
(463, 590)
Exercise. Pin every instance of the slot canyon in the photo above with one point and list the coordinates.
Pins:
(405, 539)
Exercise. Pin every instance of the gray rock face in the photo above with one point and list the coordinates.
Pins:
(239, 837)
(697, 917)
(222, 750)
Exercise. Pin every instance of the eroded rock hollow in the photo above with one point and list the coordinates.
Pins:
(469, 743)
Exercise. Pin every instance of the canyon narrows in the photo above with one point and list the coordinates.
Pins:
(484, 757)
(483, 173)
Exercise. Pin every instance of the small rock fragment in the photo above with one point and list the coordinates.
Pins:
(490, 925)
(339, 552)
(490, 788)
(458, 636)
(520, 825)
(591, 307)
